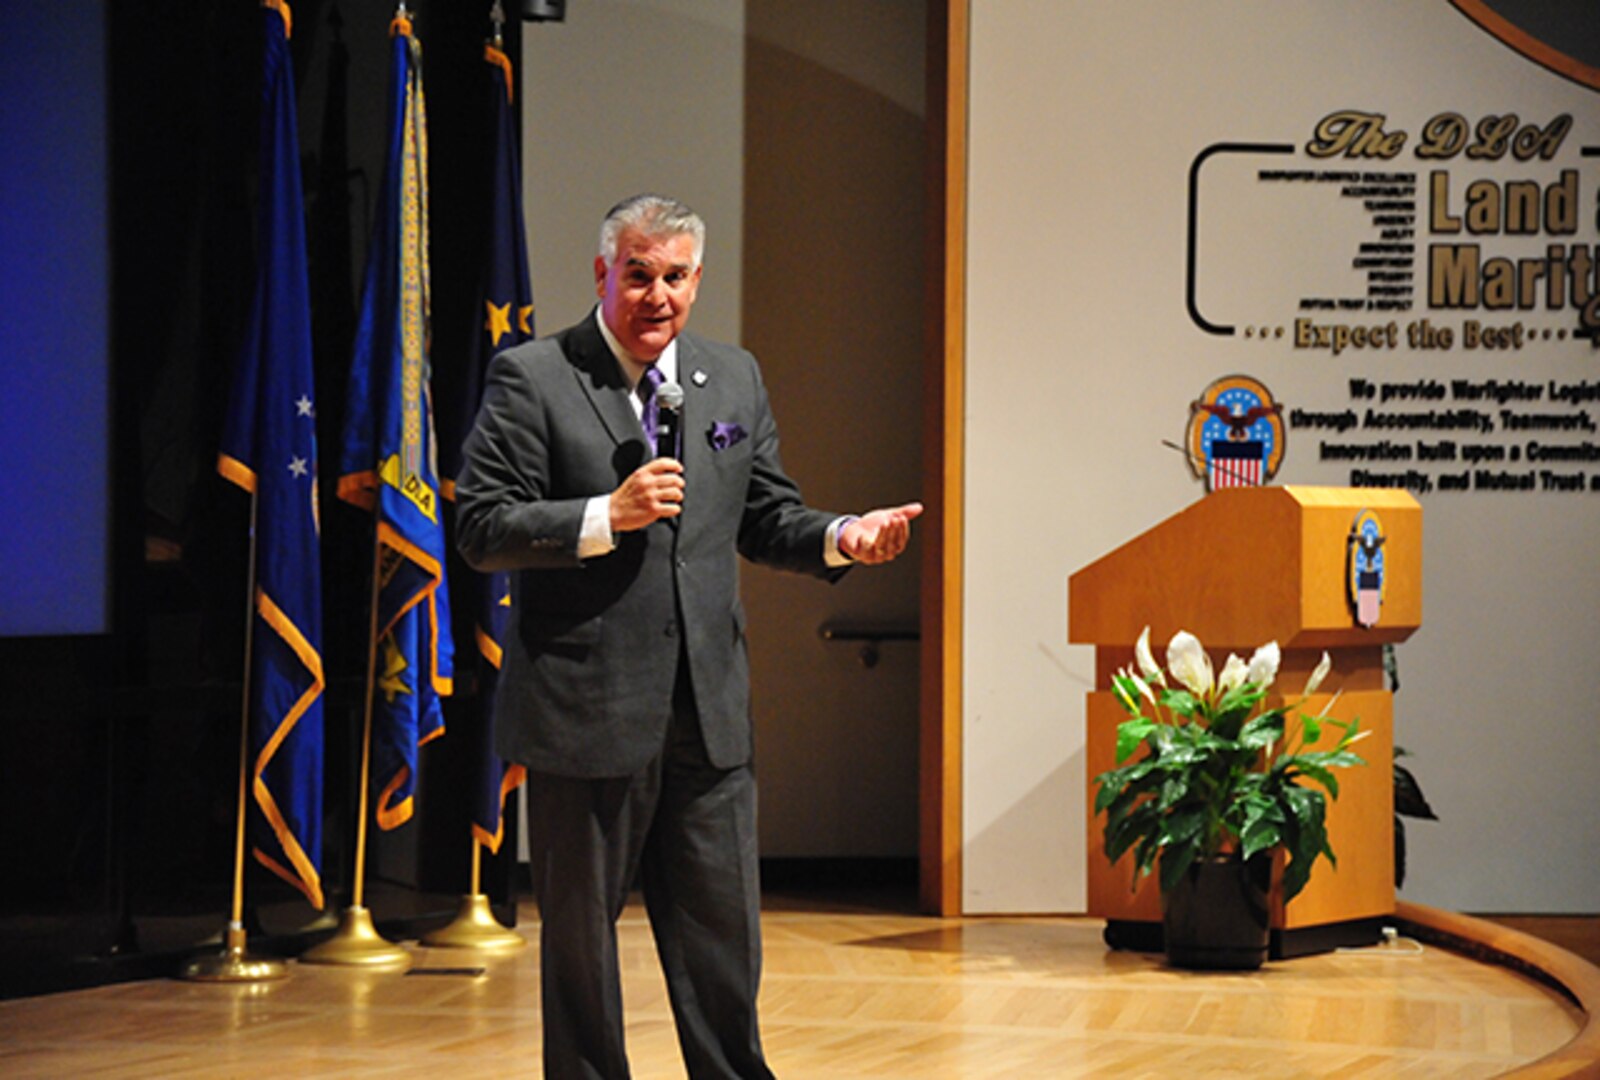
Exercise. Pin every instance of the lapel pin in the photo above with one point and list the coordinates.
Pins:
(699, 377)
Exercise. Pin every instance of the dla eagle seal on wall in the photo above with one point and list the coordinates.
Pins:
(1235, 435)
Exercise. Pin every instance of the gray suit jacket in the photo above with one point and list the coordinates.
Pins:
(593, 645)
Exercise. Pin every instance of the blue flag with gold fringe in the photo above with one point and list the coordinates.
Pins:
(388, 454)
(269, 448)
(507, 321)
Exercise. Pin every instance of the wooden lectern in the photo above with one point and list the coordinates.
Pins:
(1305, 567)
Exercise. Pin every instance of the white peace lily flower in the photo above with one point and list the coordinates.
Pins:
(1189, 664)
(1144, 688)
(1318, 675)
(1264, 665)
(1147, 659)
(1233, 674)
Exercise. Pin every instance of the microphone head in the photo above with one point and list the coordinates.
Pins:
(669, 406)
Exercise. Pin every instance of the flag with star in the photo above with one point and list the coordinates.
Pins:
(507, 321)
(269, 448)
(388, 452)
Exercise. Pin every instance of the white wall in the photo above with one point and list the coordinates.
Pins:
(1081, 358)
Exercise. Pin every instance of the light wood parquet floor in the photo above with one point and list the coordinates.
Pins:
(849, 992)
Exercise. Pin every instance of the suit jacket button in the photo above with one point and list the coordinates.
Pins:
(672, 629)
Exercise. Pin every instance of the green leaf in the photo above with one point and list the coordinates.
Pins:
(1179, 757)
(1119, 794)
(1106, 791)
(1321, 775)
(1109, 788)
(1183, 826)
(1124, 833)
(1305, 837)
(1126, 783)
(1328, 759)
(1312, 727)
(1173, 789)
(1305, 805)
(1263, 731)
(1352, 732)
(1241, 698)
(1258, 804)
(1130, 733)
(1145, 854)
(1296, 872)
(1260, 835)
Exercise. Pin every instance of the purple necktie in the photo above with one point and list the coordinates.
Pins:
(650, 416)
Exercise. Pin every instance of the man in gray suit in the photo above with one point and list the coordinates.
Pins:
(625, 683)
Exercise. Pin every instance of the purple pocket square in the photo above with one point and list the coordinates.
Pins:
(722, 436)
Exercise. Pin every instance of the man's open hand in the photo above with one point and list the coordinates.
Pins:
(878, 535)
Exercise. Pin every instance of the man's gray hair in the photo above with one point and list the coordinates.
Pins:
(657, 217)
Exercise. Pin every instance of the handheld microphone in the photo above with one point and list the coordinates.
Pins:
(669, 419)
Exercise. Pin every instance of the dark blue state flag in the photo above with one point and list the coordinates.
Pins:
(269, 448)
(388, 453)
(507, 321)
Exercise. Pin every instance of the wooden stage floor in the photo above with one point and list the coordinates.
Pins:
(851, 991)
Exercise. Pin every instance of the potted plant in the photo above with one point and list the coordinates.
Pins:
(1223, 784)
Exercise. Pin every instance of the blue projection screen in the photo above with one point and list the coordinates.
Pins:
(54, 321)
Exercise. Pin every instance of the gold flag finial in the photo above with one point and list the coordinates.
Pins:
(497, 19)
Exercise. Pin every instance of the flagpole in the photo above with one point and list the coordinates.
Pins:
(234, 963)
(475, 926)
(357, 942)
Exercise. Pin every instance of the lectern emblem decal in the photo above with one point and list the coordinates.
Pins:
(1235, 436)
(1367, 579)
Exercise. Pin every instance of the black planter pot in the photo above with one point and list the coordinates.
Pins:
(1216, 918)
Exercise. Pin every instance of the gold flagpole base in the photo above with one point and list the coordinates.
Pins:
(233, 964)
(474, 927)
(357, 944)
